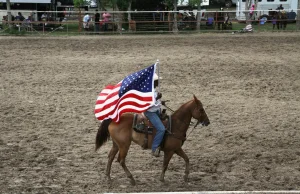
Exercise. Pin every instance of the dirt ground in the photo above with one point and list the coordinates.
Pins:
(249, 85)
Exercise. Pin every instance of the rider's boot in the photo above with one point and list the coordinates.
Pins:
(156, 152)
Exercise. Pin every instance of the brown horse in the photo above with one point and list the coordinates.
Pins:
(122, 134)
(281, 20)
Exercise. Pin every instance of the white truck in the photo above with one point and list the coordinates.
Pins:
(263, 7)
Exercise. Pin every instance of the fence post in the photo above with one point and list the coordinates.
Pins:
(217, 18)
(79, 21)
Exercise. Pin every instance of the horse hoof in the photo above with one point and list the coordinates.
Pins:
(162, 180)
(132, 182)
(185, 177)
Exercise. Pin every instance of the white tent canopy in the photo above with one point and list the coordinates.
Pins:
(27, 1)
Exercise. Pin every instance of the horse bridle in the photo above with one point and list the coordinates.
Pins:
(198, 122)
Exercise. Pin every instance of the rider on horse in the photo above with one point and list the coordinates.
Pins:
(153, 115)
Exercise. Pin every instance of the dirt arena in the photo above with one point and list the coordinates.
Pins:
(249, 85)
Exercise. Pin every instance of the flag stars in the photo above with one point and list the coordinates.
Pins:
(140, 81)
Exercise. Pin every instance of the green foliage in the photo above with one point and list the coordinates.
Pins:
(147, 5)
(121, 4)
(170, 3)
(15, 31)
(79, 3)
(195, 2)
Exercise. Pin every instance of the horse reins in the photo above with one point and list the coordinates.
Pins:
(191, 123)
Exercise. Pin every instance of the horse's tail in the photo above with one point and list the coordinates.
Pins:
(102, 134)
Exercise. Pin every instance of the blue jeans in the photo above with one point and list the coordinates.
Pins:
(160, 16)
(105, 26)
(160, 128)
(97, 27)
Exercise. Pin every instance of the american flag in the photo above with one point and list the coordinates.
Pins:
(135, 93)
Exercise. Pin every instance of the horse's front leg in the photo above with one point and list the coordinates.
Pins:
(181, 153)
(167, 158)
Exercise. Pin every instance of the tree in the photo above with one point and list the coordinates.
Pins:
(129, 9)
(172, 4)
(8, 13)
(99, 4)
(78, 4)
(129, 15)
(121, 5)
(298, 16)
(102, 3)
(247, 7)
(198, 4)
(175, 25)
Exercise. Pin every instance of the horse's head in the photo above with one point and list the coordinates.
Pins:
(282, 14)
(199, 113)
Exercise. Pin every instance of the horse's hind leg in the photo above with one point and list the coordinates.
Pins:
(181, 153)
(122, 155)
(114, 150)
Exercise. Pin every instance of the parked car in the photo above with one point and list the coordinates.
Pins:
(91, 3)
(292, 16)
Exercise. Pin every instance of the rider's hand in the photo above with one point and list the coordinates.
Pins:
(159, 95)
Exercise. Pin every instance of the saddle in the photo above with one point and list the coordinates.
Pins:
(142, 125)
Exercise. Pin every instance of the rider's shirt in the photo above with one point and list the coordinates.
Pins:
(157, 104)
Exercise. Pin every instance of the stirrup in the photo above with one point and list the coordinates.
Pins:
(156, 153)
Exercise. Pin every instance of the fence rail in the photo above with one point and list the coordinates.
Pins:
(145, 22)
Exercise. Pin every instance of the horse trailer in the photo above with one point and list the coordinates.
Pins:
(263, 7)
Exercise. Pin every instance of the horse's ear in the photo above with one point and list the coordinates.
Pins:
(196, 99)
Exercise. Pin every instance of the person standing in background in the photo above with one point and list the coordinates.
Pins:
(86, 20)
(106, 17)
(251, 11)
(274, 20)
(97, 21)
(280, 7)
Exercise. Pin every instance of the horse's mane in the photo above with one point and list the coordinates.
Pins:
(181, 107)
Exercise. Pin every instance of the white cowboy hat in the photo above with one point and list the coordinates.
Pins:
(156, 77)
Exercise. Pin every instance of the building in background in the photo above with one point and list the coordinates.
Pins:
(264, 7)
(26, 7)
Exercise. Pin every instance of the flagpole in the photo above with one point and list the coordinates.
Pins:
(157, 66)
